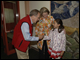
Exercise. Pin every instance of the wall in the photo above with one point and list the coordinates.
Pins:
(22, 9)
(39, 4)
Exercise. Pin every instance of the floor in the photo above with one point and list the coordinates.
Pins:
(33, 54)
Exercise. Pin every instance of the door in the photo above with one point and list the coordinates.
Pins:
(9, 18)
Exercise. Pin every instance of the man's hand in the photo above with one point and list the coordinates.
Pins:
(40, 38)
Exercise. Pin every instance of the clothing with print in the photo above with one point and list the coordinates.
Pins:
(43, 27)
(57, 43)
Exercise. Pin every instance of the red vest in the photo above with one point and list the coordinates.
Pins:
(18, 39)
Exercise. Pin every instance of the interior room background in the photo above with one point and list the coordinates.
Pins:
(68, 11)
(71, 22)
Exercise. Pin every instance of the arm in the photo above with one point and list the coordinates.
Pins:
(63, 42)
(26, 34)
(37, 29)
(48, 37)
(52, 19)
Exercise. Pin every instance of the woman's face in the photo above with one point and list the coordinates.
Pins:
(45, 14)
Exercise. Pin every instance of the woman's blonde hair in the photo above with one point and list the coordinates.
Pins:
(42, 10)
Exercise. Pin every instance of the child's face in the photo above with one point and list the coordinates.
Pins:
(55, 24)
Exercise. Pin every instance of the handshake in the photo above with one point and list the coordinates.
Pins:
(41, 37)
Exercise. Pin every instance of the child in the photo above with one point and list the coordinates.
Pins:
(58, 40)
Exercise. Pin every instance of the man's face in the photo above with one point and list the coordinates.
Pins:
(36, 18)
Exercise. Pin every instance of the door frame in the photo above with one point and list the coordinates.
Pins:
(4, 32)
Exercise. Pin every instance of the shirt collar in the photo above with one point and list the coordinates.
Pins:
(31, 20)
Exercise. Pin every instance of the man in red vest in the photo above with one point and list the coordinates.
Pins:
(23, 34)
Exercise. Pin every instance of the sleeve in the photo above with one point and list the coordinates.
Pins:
(52, 19)
(37, 29)
(63, 37)
(48, 37)
(26, 34)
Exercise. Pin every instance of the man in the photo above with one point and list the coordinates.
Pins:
(23, 34)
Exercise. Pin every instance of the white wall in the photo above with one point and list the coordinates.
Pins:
(22, 9)
(32, 5)
(38, 5)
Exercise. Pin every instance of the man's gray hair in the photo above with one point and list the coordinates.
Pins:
(34, 12)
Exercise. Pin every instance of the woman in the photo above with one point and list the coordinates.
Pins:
(43, 27)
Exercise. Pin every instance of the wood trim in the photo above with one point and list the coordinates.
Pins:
(27, 7)
(4, 32)
(18, 10)
(4, 29)
(50, 7)
(2, 20)
(4, 24)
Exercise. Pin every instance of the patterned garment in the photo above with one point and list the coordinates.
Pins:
(43, 27)
(54, 54)
(57, 43)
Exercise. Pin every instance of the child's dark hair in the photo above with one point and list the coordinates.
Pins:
(61, 27)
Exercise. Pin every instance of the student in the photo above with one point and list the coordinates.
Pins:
(43, 27)
(23, 34)
(58, 40)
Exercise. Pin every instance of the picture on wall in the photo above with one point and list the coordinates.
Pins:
(64, 10)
